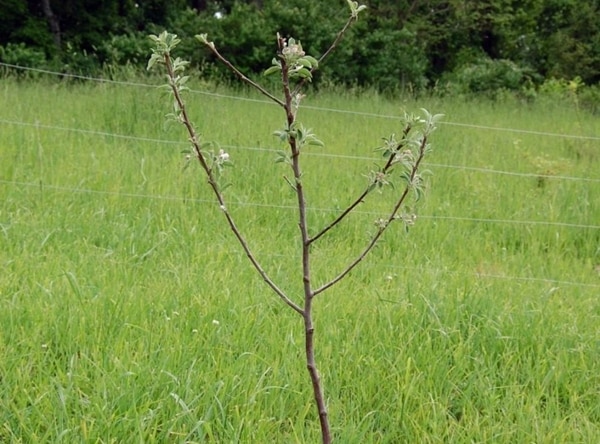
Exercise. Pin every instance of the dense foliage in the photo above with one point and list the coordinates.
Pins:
(450, 45)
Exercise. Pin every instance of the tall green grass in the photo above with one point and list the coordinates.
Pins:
(129, 314)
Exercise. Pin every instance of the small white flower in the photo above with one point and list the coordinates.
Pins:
(293, 50)
(223, 156)
(215, 322)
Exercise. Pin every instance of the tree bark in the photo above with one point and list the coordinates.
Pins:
(53, 22)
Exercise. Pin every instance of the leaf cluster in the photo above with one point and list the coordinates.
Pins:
(299, 65)
(403, 154)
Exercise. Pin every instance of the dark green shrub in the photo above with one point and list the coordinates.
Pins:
(22, 55)
(79, 61)
(125, 49)
(486, 77)
(589, 98)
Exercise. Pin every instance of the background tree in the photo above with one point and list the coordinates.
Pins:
(403, 43)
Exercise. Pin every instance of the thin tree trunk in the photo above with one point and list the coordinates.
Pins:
(52, 22)
(314, 375)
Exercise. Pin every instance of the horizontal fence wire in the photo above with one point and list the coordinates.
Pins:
(315, 108)
(555, 282)
(274, 150)
(42, 185)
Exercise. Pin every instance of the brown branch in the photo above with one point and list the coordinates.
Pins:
(241, 76)
(385, 225)
(364, 194)
(303, 225)
(344, 213)
(213, 184)
(329, 50)
(314, 374)
(338, 38)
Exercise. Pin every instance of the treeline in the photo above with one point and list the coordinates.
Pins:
(466, 45)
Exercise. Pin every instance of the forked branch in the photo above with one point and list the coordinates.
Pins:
(368, 189)
(382, 224)
(203, 38)
(173, 83)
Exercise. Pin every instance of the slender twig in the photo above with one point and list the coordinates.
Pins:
(336, 41)
(337, 220)
(360, 199)
(242, 77)
(213, 183)
(386, 223)
(338, 38)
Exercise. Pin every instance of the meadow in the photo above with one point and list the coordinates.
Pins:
(128, 313)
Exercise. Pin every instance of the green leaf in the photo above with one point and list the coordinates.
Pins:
(290, 183)
(282, 157)
(314, 62)
(418, 193)
(304, 73)
(283, 135)
(271, 70)
(202, 38)
(355, 9)
(305, 63)
(406, 176)
(315, 141)
(171, 40)
(154, 59)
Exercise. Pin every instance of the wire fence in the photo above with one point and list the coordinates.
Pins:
(39, 125)
(482, 275)
(286, 207)
(97, 133)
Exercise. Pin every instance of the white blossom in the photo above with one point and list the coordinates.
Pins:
(223, 156)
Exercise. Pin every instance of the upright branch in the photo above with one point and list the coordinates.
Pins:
(293, 61)
(210, 162)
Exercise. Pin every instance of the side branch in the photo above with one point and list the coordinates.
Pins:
(386, 223)
(240, 75)
(364, 194)
(213, 184)
(329, 50)
(338, 38)
(344, 213)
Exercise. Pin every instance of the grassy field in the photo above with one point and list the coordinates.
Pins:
(129, 314)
